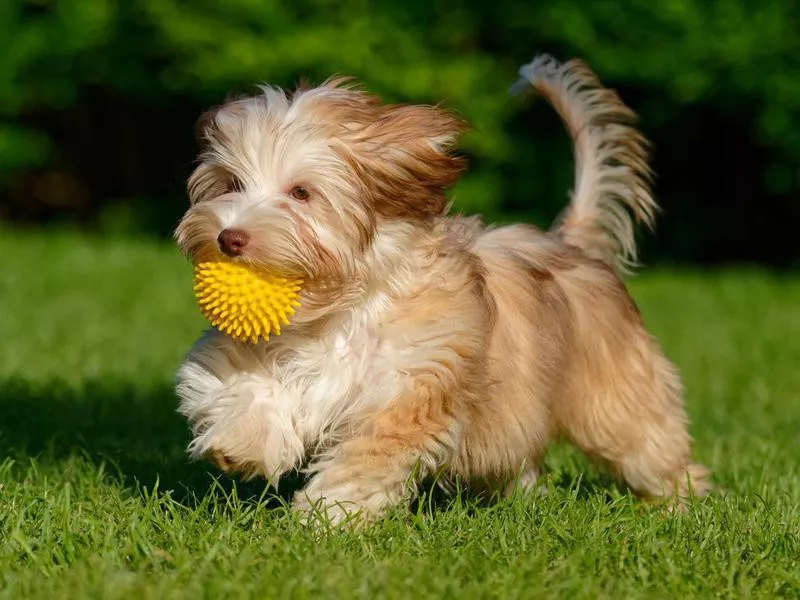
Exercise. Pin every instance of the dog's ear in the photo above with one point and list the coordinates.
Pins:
(406, 158)
(204, 125)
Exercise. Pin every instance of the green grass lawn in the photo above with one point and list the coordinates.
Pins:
(97, 498)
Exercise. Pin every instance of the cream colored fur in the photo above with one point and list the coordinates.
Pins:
(426, 343)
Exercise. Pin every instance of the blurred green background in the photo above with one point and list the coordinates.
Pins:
(98, 100)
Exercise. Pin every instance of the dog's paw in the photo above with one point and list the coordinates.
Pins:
(336, 506)
(219, 459)
(247, 432)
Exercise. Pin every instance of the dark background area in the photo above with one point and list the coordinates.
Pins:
(98, 100)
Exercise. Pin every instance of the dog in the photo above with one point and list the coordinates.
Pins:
(427, 344)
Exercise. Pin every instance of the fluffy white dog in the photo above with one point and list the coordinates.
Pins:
(426, 343)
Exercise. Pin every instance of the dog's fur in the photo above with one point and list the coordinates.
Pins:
(427, 344)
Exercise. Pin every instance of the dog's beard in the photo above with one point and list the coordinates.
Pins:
(324, 242)
(274, 240)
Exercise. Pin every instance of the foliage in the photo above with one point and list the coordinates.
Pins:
(157, 63)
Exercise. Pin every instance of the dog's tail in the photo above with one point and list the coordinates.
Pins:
(612, 176)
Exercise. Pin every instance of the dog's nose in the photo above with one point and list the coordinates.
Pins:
(232, 241)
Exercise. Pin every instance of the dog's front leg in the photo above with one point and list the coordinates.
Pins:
(239, 416)
(440, 366)
(252, 431)
(404, 442)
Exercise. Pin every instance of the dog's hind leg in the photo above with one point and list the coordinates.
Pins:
(628, 412)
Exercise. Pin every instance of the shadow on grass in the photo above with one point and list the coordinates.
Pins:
(134, 430)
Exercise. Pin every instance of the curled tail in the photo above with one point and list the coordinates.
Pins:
(612, 176)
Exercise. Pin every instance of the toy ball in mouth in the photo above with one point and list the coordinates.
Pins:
(244, 302)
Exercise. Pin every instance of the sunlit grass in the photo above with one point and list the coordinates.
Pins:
(97, 498)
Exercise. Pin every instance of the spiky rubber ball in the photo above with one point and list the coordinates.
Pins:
(243, 302)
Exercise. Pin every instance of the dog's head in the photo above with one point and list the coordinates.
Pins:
(300, 183)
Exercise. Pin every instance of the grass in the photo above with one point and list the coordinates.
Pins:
(97, 498)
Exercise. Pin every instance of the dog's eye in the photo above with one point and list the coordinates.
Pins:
(300, 193)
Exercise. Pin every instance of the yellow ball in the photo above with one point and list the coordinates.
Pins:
(242, 302)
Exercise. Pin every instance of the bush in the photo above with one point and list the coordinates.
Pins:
(97, 98)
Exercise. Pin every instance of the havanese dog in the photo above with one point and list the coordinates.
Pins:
(427, 344)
